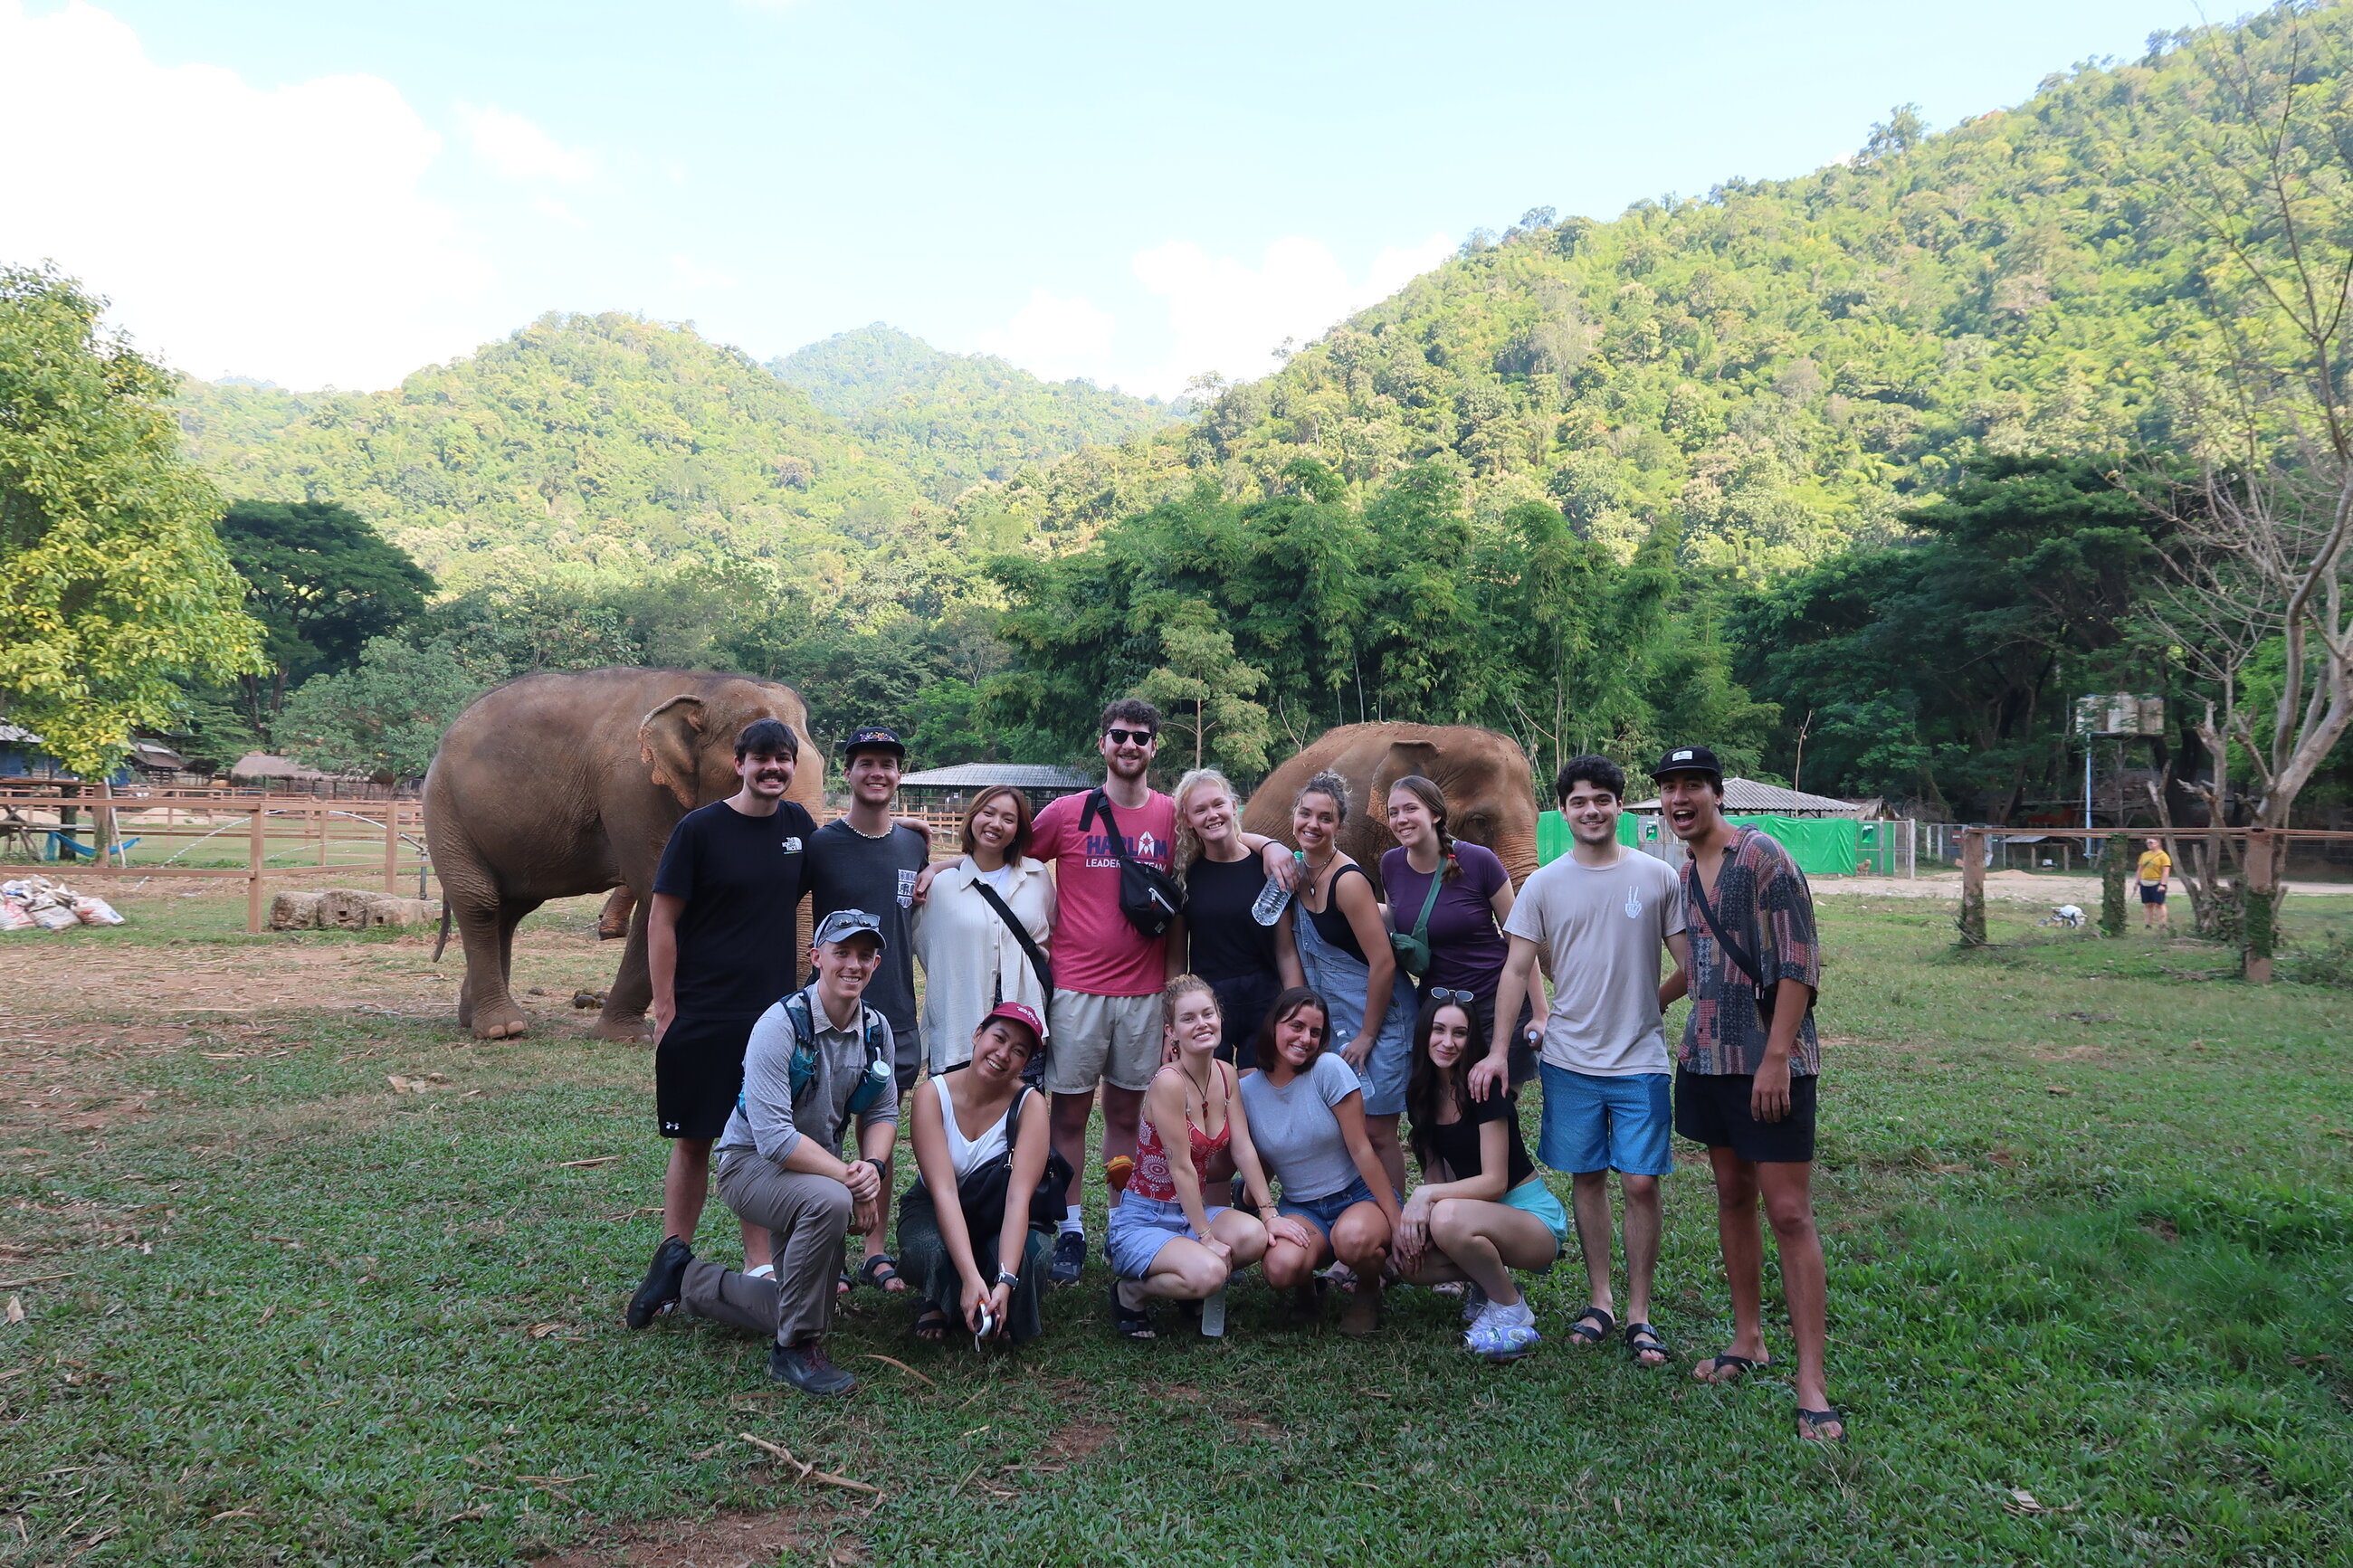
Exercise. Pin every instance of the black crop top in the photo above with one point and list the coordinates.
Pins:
(1333, 925)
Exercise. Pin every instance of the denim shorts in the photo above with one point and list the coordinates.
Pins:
(1140, 1226)
(1326, 1212)
(1593, 1122)
(1532, 1196)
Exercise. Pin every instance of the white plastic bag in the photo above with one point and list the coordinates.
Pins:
(13, 916)
(93, 911)
(52, 915)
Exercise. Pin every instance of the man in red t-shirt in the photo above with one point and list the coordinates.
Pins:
(1107, 974)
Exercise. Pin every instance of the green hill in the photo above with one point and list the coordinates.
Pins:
(592, 446)
(1779, 365)
(954, 420)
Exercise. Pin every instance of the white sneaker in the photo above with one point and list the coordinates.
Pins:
(1474, 1303)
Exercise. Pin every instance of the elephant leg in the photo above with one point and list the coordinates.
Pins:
(492, 1011)
(613, 919)
(632, 992)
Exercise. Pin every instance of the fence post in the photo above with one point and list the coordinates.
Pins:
(2258, 905)
(391, 845)
(1973, 871)
(256, 852)
(2112, 884)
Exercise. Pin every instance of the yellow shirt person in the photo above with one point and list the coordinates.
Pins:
(2156, 865)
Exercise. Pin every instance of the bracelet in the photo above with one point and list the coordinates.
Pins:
(882, 1170)
(1006, 1276)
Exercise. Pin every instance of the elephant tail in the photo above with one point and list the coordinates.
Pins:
(443, 940)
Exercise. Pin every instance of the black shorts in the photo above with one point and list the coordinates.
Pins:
(2152, 892)
(1242, 1005)
(697, 1074)
(1713, 1109)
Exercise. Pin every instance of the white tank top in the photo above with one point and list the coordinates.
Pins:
(970, 1156)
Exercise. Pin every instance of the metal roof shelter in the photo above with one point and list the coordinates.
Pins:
(1749, 798)
(1042, 782)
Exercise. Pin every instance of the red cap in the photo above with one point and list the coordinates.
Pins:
(1022, 1016)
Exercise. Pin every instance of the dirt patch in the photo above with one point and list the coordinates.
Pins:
(730, 1540)
(1074, 1442)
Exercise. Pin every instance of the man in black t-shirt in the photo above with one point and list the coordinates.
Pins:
(719, 942)
(867, 861)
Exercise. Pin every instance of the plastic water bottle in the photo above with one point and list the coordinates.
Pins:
(1213, 1315)
(1274, 896)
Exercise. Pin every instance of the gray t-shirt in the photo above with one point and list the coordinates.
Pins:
(765, 1119)
(1295, 1133)
(1603, 928)
(847, 870)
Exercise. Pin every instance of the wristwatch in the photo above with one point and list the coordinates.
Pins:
(881, 1169)
(1006, 1276)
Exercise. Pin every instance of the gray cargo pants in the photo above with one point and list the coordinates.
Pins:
(807, 1218)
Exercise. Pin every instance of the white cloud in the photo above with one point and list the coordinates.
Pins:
(685, 272)
(520, 149)
(1054, 338)
(1224, 315)
(278, 231)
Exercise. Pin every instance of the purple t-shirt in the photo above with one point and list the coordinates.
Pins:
(1466, 950)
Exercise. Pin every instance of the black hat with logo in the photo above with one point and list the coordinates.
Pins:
(873, 738)
(1688, 760)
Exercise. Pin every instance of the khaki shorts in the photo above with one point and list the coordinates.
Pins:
(1108, 1039)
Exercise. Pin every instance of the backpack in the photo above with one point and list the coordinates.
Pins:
(802, 1069)
(1148, 895)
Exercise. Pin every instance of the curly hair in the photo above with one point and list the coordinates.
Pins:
(1433, 800)
(1327, 783)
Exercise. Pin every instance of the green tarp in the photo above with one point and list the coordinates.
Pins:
(1821, 845)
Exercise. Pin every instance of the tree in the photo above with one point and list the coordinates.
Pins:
(1199, 679)
(112, 582)
(383, 716)
(323, 582)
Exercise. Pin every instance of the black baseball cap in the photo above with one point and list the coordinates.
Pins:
(874, 737)
(1687, 759)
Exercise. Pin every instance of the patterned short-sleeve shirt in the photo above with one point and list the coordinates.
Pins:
(1762, 899)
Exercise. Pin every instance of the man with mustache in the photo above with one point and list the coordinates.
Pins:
(720, 943)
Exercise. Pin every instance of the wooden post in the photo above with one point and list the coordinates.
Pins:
(101, 818)
(391, 845)
(2259, 906)
(256, 853)
(1973, 874)
(2112, 884)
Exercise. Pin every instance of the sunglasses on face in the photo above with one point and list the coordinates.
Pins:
(1129, 737)
(1442, 995)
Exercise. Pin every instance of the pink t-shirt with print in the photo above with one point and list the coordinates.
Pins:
(1094, 950)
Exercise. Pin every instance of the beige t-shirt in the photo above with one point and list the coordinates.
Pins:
(1603, 928)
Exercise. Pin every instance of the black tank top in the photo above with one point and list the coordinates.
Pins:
(1333, 925)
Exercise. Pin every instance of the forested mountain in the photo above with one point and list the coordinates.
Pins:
(586, 447)
(953, 420)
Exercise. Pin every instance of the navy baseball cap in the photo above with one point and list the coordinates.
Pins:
(845, 923)
(874, 737)
(1687, 759)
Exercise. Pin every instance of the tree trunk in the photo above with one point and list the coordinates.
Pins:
(2112, 884)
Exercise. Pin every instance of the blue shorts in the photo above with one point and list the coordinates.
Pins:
(1597, 1123)
(1532, 1196)
(1140, 1226)
(1326, 1212)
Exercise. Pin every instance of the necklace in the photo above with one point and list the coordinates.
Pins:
(863, 834)
(1198, 1087)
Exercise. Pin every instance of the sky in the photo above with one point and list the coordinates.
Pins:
(329, 193)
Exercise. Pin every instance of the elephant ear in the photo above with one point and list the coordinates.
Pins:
(668, 740)
(1405, 759)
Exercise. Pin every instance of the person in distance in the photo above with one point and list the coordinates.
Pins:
(981, 1139)
(819, 1060)
(1306, 1115)
(1749, 1070)
(1164, 1238)
(1480, 1211)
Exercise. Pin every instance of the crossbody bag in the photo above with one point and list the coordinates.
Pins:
(1147, 895)
(1413, 951)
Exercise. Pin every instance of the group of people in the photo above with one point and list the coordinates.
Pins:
(1270, 1032)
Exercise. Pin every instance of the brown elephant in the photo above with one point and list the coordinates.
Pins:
(568, 783)
(1489, 788)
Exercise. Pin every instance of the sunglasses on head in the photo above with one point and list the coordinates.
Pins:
(1130, 737)
(1442, 995)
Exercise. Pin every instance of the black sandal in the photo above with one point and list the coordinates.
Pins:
(1740, 1364)
(931, 1326)
(1129, 1322)
(881, 1271)
(1811, 1422)
(1592, 1336)
(1642, 1337)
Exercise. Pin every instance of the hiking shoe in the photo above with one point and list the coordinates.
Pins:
(664, 1276)
(1069, 1256)
(1500, 1342)
(805, 1366)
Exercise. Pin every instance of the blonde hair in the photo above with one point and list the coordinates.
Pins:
(1184, 986)
(1189, 846)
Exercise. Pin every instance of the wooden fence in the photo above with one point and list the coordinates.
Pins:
(381, 839)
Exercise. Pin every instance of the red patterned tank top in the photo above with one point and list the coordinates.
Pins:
(1151, 1179)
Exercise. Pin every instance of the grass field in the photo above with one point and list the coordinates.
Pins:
(2086, 1203)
